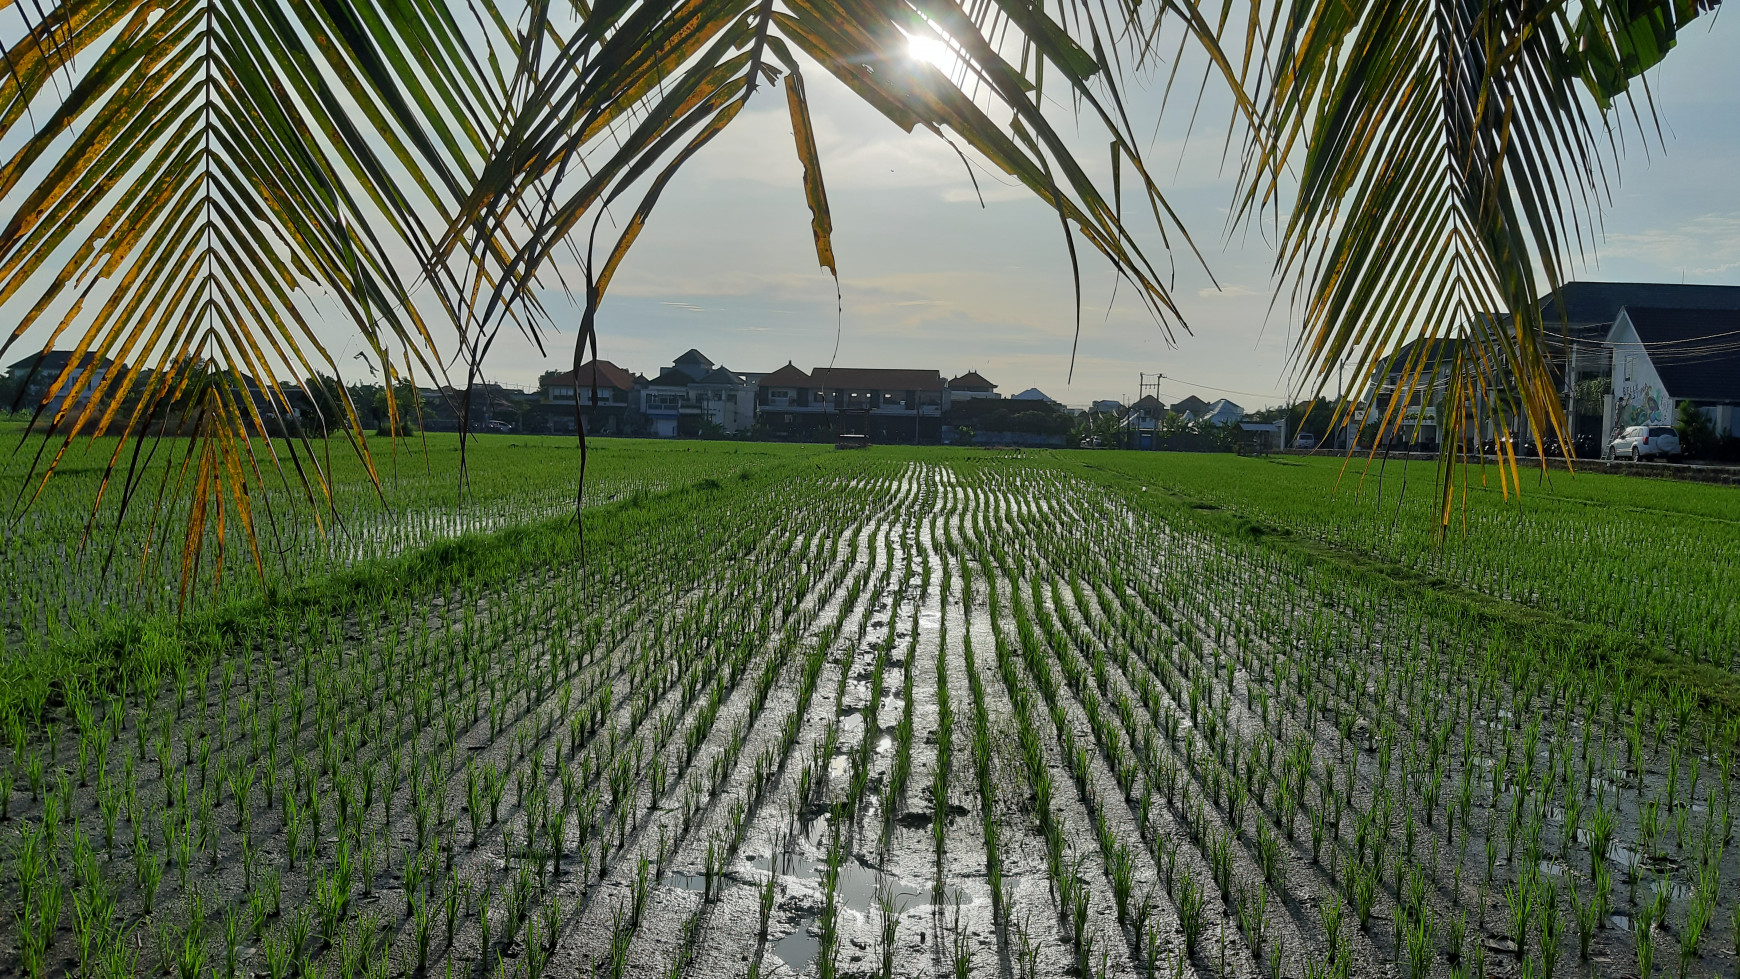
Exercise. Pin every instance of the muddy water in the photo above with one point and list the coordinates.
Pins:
(1306, 655)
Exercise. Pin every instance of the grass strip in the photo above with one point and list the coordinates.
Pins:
(1589, 647)
(36, 681)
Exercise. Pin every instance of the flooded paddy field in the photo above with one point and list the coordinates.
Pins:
(890, 714)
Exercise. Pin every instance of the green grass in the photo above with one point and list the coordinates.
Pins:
(1637, 556)
(1617, 568)
(123, 648)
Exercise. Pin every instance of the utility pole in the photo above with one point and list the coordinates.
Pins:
(1144, 387)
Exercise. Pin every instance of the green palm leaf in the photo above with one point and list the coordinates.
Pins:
(1446, 158)
(198, 184)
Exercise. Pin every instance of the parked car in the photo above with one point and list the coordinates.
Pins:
(1305, 440)
(1646, 442)
(497, 425)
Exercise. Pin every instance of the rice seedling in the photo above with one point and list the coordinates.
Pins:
(1643, 933)
(1225, 711)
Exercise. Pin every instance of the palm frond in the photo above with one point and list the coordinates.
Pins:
(637, 90)
(197, 185)
(1447, 156)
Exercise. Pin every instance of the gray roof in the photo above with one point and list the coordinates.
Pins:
(1695, 352)
(693, 356)
(1599, 303)
(720, 375)
(54, 360)
(670, 377)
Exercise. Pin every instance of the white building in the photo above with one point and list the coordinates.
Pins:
(1664, 356)
(1221, 412)
(696, 389)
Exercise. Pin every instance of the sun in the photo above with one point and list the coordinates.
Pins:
(930, 50)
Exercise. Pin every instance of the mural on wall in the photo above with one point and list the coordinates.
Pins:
(1639, 402)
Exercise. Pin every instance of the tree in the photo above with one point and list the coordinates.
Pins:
(1590, 395)
(1697, 434)
(1102, 430)
(328, 406)
(412, 167)
(398, 415)
(364, 397)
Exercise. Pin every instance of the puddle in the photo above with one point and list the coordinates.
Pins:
(798, 949)
(885, 744)
(857, 887)
(1623, 855)
(1552, 868)
(686, 882)
(1677, 892)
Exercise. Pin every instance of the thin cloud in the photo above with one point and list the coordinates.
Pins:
(1225, 292)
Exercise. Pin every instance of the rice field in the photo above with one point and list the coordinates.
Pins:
(904, 713)
(59, 581)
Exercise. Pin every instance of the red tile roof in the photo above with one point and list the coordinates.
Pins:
(608, 375)
(971, 381)
(788, 376)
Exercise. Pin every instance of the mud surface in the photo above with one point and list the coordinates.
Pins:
(909, 720)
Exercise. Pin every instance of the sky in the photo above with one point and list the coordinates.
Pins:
(929, 278)
(935, 272)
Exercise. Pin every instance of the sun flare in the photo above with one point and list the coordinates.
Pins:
(930, 50)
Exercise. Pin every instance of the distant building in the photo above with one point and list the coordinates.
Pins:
(1150, 409)
(1033, 394)
(1192, 408)
(1143, 420)
(1258, 436)
(1662, 357)
(488, 406)
(1108, 406)
(1579, 318)
(887, 404)
(693, 363)
(694, 393)
(1221, 412)
(604, 393)
(788, 404)
(971, 385)
(724, 398)
(32, 378)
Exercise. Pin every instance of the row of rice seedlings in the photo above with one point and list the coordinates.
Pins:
(1132, 763)
(1248, 694)
(740, 810)
(1556, 567)
(769, 762)
(1072, 888)
(1573, 819)
(900, 767)
(505, 487)
(423, 800)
